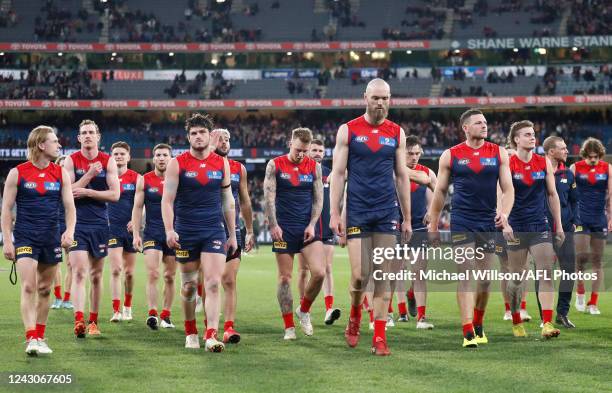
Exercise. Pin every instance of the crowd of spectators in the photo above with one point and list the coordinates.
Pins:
(58, 22)
(50, 84)
(592, 17)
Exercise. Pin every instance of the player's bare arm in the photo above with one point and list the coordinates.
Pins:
(337, 179)
(507, 194)
(440, 192)
(112, 181)
(270, 201)
(171, 181)
(8, 202)
(433, 179)
(137, 213)
(403, 185)
(69, 209)
(94, 170)
(609, 198)
(229, 206)
(317, 196)
(246, 210)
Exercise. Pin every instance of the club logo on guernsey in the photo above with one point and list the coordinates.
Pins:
(540, 175)
(385, 141)
(30, 185)
(191, 174)
(129, 187)
(305, 178)
(52, 186)
(488, 161)
(215, 175)
(362, 139)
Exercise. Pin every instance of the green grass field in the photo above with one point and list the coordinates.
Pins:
(131, 358)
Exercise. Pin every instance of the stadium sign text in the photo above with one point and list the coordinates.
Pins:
(536, 42)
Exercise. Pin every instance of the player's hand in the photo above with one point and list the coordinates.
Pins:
(172, 240)
(9, 251)
(610, 224)
(232, 244)
(433, 235)
(67, 239)
(130, 227)
(80, 192)
(214, 140)
(137, 242)
(309, 233)
(276, 233)
(559, 237)
(249, 242)
(94, 169)
(336, 225)
(508, 232)
(342, 241)
(501, 220)
(427, 219)
(406, 231)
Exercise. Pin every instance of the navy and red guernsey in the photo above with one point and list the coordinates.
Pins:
(418, 200)
(474, 173)
(198, 199)
(235, 173)
(38, 200)
(153, 191)
(529, 181)
(294, 188)
(371, 165)
(91, 212)
(120, 212)
(322, 227)
(592, 184)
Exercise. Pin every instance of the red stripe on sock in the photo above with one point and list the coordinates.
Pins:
(379, 329)
(546, 316)
(523, 305)
(288, 320)
(57, 291)
(127, 301)
(78, 316)
(516, 318)
(66, 296)
(478, 316)
(593, 300)
(507, 305)
(329, 302)
(190, 327)
(228, 325)
(32, 333)
(420, 312)
(93, 317)
(40, 330)
(467, 328)
(116, 304)
(401, 307)
(152, 312)
(305, 306)
(164, 314)
(356, 312)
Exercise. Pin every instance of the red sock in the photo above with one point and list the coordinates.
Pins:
(66, 296)
(356, 312)
(420, 312)
(371, 315)
(507, 305)
(410, 294)
(190, 327)
(228, 325)
(57, 291)
(200, 290)
(379, 329)
(478, 316)
(305, 306)
(210, 333)
(403, 310)
(288, 319)
(390, 308)
(523, 305)
(365, 303)
(580, 288)
(546, 316)
(127, 301)
(152, 312)
(116, 304)
(164, 314)
(40, 330)
(32, 333)
(594, 298)
(516, 318)
(93, 317)
(78, 316)
(329, 302)
(468, 328)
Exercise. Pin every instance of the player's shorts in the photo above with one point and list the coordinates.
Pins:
(528, 235)
(598, 230)
(293, 241)
(192, 246)
(48, 252)
(149, 243)
(482, 234)
(329, 241)
(419, 237)
(324, 232)
(236, 254)
(94, 240)
(121, 238)
(359, 224)
(500, 246)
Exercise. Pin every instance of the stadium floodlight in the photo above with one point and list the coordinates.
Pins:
(1, 53)
(60, 54)
(541, 51)
(408, 52)
(171, 54)
(368, 52)
(289, 53)
(515, 50)
(574, 49)
(114, 54)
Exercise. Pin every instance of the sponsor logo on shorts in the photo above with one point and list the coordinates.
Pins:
(386, 141)
(149, 243)
(362, 139)
(112, 242)
(58, 256)
(279, 244)
(52, 186)
(459, 237)
(499, 249)
(182, 253)
(191, 174)
(579, 228)
(30, 185)
(215, 175)
(74, 244)
(353, 231)
(58, 249)
(488, 161)
(465, 161)
(545, 235)
(102, 247)
(305, 178)
(23, 250)
(515, 242)
(540, 175)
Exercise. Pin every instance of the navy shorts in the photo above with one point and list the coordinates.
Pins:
(482, 234)
(528, 235)
(47, 252)
(324, 232)
(93, 240)
(377, 221)
(293, 241)
(149, 243)
(236, 254)
(122, 239)
(598, 230)
(192, 246)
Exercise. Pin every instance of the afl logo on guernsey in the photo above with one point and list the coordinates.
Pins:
(488, 161)
(153, 189)
(52, 186)
(362, 139)
(465, 161)
(215, 175)
(518, 176)
(191, 174)
(284, 175)
(385, 141)
(30, 185)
